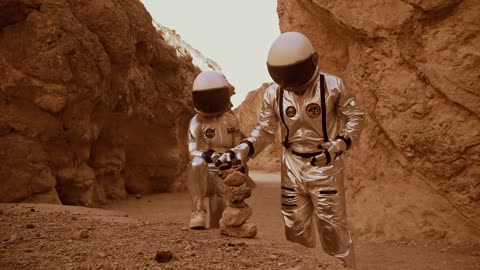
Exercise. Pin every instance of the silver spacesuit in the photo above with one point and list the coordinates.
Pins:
(212, 131)
(209, 134)
(319, 121)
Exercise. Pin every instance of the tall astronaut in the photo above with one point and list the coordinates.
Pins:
(212, 131)
(319, 122)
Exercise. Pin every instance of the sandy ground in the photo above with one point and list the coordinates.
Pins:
(40, 236)
(265, 201)
(128, 234)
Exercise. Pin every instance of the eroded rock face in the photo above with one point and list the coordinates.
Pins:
(414, 66)
(92, 100)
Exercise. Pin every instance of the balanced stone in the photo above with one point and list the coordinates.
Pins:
(246, 230)
(237, 194)
(235, 179)
(236, 216)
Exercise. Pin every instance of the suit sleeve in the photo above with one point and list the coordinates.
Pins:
(193, 133)
(350, 112)
(267, 125)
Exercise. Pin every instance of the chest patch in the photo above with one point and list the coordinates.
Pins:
(210, 133)
(290, 111)
(313, 110)
(230, 130)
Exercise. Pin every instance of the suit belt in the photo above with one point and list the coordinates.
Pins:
(306, 155)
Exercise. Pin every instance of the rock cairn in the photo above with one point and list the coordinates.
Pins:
(234, 218)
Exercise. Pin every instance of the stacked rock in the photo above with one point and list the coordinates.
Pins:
(234, 218)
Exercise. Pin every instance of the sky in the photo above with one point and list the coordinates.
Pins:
(235, 34)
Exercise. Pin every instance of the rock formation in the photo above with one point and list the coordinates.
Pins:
(414, 66)
(186, 50)
(234, 221)
(93, 102)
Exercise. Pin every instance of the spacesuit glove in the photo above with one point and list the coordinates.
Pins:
(210, 156)
(331, 150)
(240, 152)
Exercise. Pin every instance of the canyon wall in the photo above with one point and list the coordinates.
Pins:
(94, 103)
(415, 68)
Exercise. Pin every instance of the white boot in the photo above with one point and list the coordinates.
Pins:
(198, 221)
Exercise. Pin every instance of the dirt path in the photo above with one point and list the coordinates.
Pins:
(41, 236)
(175, 207)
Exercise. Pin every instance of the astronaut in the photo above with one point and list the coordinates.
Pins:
(319, 120)
(212, 131)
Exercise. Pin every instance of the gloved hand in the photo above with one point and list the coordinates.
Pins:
(240, 152)
(211, 156)
(331, 150)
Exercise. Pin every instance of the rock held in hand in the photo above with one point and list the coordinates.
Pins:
(236, 216)
(237, 194)
(235, 179)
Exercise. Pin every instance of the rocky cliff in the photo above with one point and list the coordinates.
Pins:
(186, 50)
(93, 102)
(415, 67)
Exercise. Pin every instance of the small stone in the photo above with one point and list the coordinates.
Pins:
(443, 249)
(280, 264)
(184, 228)
(475, 253)
(324, 265)
(138, 196)
(188, 247)
(102, 254)
(241, 244)
(245, 262)
(273, 257)
(12, 239)
(30, 226)
(84, 235)
(228, 249)
(163, 256)
(74, 218)
(32, 210)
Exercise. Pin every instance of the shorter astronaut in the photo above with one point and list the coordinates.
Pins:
(212, 131)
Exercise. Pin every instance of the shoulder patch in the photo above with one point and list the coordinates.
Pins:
(313, 110)
(290, 111)
(209, 133)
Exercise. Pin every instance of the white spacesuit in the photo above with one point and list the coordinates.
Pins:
(319, 120)
(212, 131)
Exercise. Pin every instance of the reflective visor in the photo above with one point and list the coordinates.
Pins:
(294, 75)
(212, 101)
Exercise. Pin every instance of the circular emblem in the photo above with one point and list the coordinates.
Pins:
(290, 111)
(210, 133)
(313, 110)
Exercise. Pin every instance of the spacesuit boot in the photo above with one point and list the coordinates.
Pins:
(197, 186)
